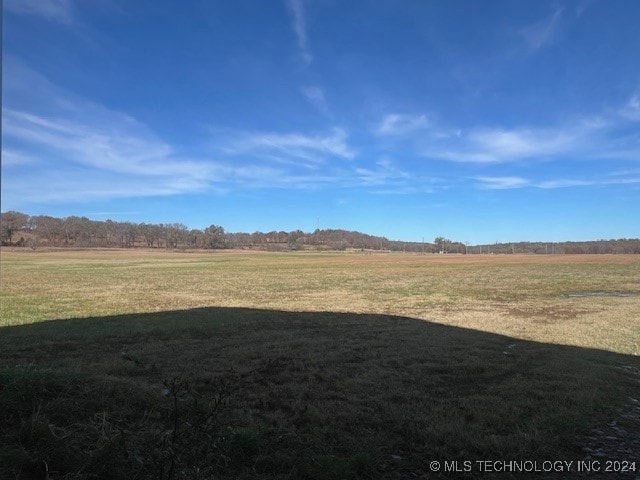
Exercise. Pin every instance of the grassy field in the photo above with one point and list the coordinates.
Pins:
(147, 364)
(583, 300)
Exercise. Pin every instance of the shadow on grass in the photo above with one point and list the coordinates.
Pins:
(248, 393)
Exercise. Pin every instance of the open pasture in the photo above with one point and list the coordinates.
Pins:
(584, 300)
(325, 365)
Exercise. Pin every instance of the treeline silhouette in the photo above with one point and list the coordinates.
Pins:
(22, 230)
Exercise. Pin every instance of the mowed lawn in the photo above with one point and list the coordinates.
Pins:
(157, 364)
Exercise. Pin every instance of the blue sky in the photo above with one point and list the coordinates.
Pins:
(479, 121)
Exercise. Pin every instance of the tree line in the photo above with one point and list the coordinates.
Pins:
(22, 230)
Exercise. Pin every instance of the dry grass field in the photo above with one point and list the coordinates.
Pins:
(167, 365)
(584, 300)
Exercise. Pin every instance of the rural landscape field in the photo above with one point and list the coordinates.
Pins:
(319, 240)
(239, 364)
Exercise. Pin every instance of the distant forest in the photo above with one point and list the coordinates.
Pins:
(41, 231)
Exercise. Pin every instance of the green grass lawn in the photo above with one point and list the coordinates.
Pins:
(245, 365)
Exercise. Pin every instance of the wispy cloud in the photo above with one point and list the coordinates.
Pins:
(110, 147)
(60, 11)
(631, 110)
(577, 182)
(110, 142)
(291, 146)
(502, 183)
(582, 7)
(383, 173)
(500, 145)
(626, 172)
(315, 96)
(12, 158)
(401, 124)
(542, 33)
(119, 158)
(505, 183)
(269, 177)
(566, 183)
(84, 150)
(299, 25)
(609, 137)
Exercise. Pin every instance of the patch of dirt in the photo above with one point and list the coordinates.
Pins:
(599, 294)
(548, 314)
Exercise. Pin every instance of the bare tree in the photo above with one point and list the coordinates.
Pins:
(175, 234)
(49, 228)
(441, 244)
(11, 223)
(214, 237)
